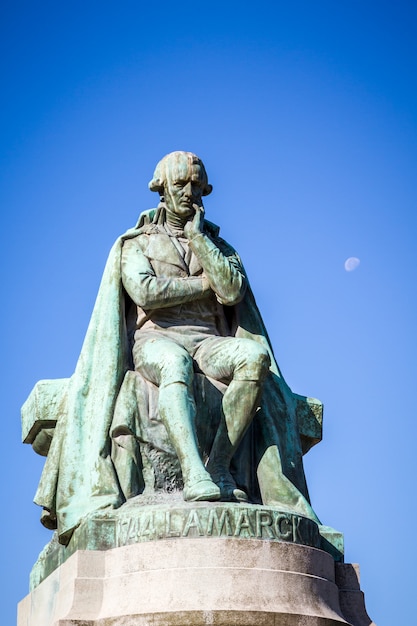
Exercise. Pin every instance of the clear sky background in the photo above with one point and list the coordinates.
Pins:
(305, 114)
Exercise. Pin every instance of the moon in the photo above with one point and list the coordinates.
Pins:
(352, 263)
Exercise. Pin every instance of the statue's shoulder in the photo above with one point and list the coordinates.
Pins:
(143, 228)
(140, 239)
(149, 223)
(150, 229)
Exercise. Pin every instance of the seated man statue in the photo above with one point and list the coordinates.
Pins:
(174, 303)
(180, 278)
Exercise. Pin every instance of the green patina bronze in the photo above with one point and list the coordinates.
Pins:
(176, 387)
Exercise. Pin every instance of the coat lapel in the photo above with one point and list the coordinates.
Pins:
(162, 249)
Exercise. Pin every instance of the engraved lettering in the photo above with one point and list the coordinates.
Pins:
(215, 524)
(264, 521)
(193, 521)
(239, 521)
(296, 523)
(283, 527)
(132, 531)
(243, 524)
(296, 529)
(147, 527)
(169, 532)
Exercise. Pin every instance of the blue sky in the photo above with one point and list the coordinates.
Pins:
(305, 116)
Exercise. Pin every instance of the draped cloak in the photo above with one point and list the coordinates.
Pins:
(79, 476)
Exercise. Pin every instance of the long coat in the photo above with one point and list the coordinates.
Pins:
(80, 476)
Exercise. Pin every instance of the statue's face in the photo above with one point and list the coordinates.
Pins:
(183, 188)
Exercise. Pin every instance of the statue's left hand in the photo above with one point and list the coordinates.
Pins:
(194, 226)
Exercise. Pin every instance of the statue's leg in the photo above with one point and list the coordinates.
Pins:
(170, 367)
(245, 363)
(238, 407)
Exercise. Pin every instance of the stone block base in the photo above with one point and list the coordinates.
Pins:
(201, 581)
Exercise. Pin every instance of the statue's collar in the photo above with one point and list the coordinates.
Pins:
(156, 217)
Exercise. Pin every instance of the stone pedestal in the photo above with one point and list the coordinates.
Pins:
(197, 582)
(194, 564)
(228, 568)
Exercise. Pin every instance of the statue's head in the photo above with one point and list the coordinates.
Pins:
(179, 165)
(181, 180)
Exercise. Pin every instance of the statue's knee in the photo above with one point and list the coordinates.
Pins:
(257, 362)
(176, 368)
(262, 362)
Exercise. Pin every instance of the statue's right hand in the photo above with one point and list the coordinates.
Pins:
(194, 226)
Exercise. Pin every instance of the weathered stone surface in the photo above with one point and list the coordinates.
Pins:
(351, 598)
(139, 521)
(200, 580)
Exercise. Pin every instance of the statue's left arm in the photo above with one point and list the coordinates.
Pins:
(222, 268)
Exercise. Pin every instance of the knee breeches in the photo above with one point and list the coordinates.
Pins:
(163, 361)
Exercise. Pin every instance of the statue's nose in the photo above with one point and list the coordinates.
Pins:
(188, 190)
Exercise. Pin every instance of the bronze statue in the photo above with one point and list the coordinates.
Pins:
(176, 386)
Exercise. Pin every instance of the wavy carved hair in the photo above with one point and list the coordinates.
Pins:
(174, 163)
